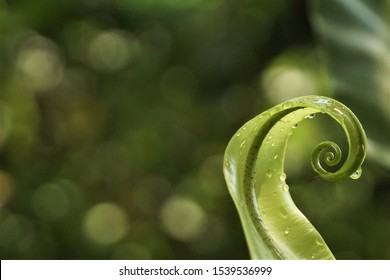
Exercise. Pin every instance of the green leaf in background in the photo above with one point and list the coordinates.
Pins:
(355, 38)
(254, 171)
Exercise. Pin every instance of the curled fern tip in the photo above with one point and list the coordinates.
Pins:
(254, 171)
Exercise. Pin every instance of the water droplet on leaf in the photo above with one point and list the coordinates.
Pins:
(295, 125)
(283, 212)
(319, 242)
(285, 188)
(268, 173)
(356, 174)
(243, 143)
(287, 105)
(287, 231)
(310, 116)
(283, 177)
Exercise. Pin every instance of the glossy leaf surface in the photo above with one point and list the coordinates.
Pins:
(254, 171)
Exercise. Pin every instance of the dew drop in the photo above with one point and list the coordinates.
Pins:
(283, 212)
(238, 134)
(319, 242)
(227, 163)
(272, 144)
(270, 137)
(287, 231)
(268, 173)
(310, 116)
(267, 115)
(313, 257)
(285, 188)
(287, 105)
(276, 156)
(337, 110)
(283, 177)
(243, 143)
(295, 125)
(356, 174)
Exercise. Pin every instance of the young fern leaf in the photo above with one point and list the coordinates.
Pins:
(254, 171)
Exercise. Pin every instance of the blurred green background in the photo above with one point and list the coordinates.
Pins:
(114, 117)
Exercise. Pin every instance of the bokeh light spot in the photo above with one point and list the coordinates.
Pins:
(286, 82)
(106, 223)
(111, 50)
(51, 202)
(183, 219)
(40, 63)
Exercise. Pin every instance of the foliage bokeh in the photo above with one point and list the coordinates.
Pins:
(114, 116)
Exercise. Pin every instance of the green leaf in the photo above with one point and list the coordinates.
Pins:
(355, 39)
(254, 171)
